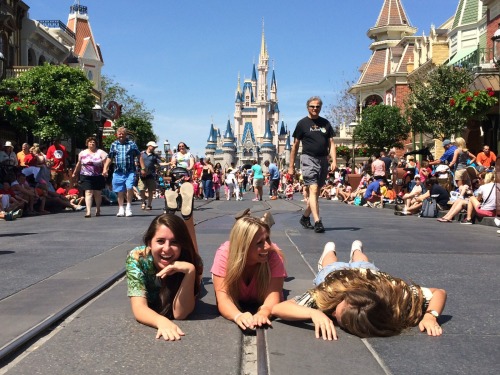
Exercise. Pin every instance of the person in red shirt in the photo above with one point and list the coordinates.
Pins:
(486, 158)
(57, 154)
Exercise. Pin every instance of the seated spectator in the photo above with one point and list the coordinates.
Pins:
(289, 192)
(486, 158)
(9, 201)
(7, 155)
(459, 204)
(425, 171)
(410, 198)
(326, 190)
(389, 194)
(435, 190)
(72, 194)
(24, 191)
(373, 194)
(54, 200)
(344, 192)
(484, 203)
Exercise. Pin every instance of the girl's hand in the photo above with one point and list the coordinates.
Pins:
(323, 325)
(260, 319)
(169, 331)
(430, 324)
(178, 266)
(244, 320)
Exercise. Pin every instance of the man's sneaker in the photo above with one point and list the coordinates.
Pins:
(370, 204)
(329, 248)
(128, 212)
(318, 227)
(306, 222)
(121, 212)
(273, 198)
(356, 245)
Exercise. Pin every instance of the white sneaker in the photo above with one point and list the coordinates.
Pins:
(497, 221)
(356, 245)
(121, 212)
(335, 199)
(128, 212)
(329, 247)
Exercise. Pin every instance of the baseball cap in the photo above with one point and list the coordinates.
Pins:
(152, 144)
(446, 142)
(417, 176)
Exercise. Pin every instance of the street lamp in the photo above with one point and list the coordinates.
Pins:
(3, 66)
(166, 148)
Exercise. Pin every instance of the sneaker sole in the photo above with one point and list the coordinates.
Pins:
(187, 194)
(171, 201)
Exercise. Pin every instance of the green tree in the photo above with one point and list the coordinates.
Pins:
(428, 106)
(63, 98)
(382, 127)
(131, 106)
(135, 116)
(141, 129)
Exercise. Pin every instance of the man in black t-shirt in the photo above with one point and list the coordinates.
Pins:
(316, 135)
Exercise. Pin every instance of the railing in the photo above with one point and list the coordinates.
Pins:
(16, 71)
(56, 24)
(78, 9)
(476, 58)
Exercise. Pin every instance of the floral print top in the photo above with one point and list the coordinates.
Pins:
(141, 277)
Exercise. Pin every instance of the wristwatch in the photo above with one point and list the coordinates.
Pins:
(434, 313)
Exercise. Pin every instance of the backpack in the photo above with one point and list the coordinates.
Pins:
(429, 208)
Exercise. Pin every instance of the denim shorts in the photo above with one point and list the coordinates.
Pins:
(123, 181)
(320, 277)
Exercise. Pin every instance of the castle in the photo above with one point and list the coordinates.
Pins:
(254, 135)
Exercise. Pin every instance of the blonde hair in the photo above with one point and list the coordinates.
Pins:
(242, 234)
(376, 303)
(489, 177)
(460, 142)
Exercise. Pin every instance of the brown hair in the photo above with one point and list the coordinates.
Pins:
(170, 285)
(89, 139)
(377, 305)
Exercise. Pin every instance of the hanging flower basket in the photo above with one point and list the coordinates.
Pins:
(474, 103)
(343, 151)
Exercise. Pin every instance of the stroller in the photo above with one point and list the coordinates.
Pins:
(178, 176)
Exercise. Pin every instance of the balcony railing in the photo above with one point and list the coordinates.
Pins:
(16, 71)
(56, 24)
(477, 58)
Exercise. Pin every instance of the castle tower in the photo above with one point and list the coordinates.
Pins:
(211, 144)
(228, 147)
(267, 148)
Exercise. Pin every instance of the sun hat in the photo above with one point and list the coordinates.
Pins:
(8, 144)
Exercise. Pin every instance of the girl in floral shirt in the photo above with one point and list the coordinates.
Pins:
(164, 275)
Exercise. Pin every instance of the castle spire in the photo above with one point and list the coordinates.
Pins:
(263, 49)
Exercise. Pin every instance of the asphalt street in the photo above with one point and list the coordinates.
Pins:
(48, 262)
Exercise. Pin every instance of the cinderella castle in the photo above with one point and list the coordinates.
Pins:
(255, 133)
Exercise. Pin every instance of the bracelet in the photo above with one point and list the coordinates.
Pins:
(237, 316)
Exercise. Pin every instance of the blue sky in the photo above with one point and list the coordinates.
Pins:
(183, 58)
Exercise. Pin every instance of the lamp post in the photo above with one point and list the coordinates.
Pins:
(166, 149)
(3, 66)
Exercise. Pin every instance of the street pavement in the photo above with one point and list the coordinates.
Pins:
(48, 262)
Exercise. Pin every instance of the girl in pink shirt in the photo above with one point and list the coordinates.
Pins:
(248, 269)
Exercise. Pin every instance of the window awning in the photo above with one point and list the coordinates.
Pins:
(460, 55)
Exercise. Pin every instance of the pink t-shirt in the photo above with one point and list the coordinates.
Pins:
(248, 293)
(378, 168)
